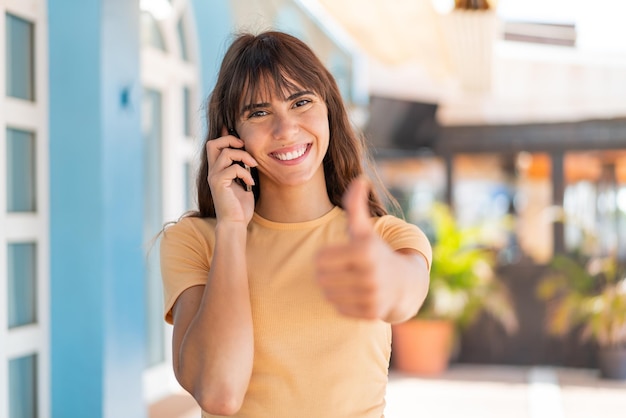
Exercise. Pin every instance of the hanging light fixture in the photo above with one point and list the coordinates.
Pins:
(469, 29)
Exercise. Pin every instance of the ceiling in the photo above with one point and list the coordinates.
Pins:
(411, 56)
(394, 32)
(408, 46)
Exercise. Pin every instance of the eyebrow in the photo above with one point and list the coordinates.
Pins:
(266, 104)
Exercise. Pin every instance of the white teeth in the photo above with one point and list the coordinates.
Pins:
(292, 155)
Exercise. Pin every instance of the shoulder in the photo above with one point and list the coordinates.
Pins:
(386, 223)
(400, 234)
(186, 249)
(191, 231)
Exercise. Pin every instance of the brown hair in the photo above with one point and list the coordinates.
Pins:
(277, 60)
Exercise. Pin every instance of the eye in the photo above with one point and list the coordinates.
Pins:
(302, 102)
(257, 114)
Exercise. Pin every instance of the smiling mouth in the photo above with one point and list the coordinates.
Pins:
(291, 155)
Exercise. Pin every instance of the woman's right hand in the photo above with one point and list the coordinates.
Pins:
(232, 202)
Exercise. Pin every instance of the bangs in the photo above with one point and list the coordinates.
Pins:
(259, 88)
(268, 67)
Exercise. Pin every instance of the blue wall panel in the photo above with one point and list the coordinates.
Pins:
(97, 293)
(122, 159)
(76, 235)
(214, 25)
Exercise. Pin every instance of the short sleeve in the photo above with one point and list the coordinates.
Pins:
(186, 252)
(400, 234)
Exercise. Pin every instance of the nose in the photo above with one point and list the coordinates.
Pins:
(284, 127)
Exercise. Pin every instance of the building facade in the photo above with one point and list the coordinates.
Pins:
(101, 121)
(101, 124)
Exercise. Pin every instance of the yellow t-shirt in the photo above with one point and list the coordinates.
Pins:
(309, 361)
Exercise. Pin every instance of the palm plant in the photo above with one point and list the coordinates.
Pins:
(589, 292)
(463, 279)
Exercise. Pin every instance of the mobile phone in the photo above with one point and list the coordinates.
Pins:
(239, 181)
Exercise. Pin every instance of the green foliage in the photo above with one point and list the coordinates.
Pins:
(463, 281)
(586, 291)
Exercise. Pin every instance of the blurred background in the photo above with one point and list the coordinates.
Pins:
(500, 128)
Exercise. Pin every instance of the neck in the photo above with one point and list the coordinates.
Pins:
(293, 204)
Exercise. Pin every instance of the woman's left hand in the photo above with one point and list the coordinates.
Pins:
(365, 278)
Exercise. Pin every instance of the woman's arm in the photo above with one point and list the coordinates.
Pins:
(407, 278)
(213, 340)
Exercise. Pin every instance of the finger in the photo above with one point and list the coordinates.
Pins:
(346, 285)
(349, 304)
(355, 202)
(229, 174)
(244, 177)
(228, 156)
(214, 147)
(343, 257)
(230, 145)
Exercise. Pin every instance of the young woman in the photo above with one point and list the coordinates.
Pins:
(281, 297)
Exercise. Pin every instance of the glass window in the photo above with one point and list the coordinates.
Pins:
(482, 189)
(532, 201)
(509, 197)
(620, 200)
(579, 202)
(22, 274)
(150, 32)
(23, 387)
(290, 19)
(415, 183)
(189, 186)
(152, 132)
(187, 110)
(340, 66)
(594, 202)
(20, 69)
(21, 190)
(182, 40)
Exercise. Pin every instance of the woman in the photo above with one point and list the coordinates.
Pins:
(281, 298)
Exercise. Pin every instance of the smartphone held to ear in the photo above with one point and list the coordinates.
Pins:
(239, 181)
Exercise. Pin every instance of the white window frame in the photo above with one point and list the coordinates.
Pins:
(27, 227)
(167, 73)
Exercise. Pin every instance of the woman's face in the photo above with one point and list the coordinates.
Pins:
(287, 134)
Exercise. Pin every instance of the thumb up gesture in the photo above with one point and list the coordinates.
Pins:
(354, 276)
(365, 278)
